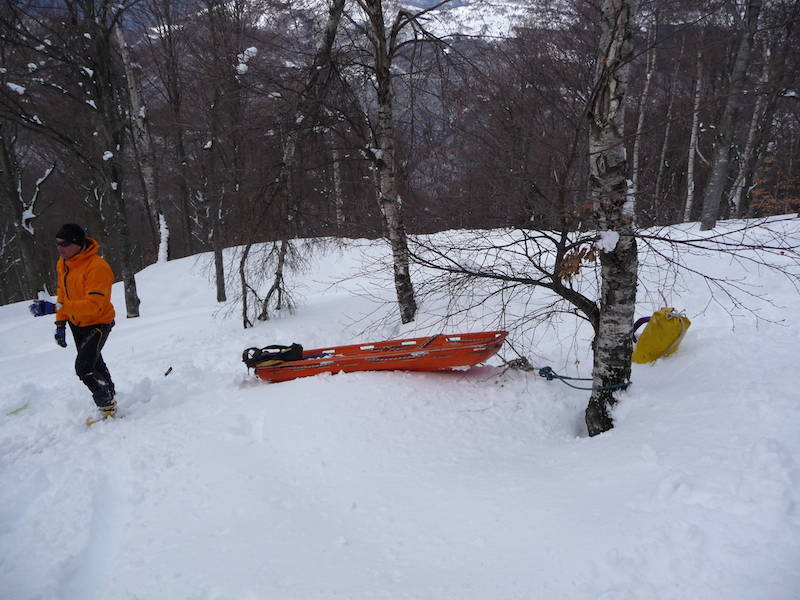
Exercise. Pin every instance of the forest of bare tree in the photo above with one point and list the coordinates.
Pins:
(170, 127)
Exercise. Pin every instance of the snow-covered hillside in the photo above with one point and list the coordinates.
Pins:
(474, 18)
(480, 18)
(367, 486)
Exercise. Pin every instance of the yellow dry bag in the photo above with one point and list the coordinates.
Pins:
(662, 336)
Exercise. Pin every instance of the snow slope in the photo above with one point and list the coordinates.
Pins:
(368, 486)
(483, 18)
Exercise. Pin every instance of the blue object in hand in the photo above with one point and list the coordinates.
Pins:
(61, 336)
(40, 308)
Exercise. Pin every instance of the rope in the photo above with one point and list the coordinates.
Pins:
(549, 374)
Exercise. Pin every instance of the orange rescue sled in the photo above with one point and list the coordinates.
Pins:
(435, 353)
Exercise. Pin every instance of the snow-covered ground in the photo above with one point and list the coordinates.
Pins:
(427, 486)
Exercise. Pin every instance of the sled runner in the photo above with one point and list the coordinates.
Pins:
(435, 353)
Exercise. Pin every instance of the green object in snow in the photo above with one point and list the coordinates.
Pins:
(16, 411)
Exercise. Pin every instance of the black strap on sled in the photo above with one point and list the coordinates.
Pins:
(639, 322)
(273, 355)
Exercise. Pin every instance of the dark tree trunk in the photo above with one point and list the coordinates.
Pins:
(277, 289)
(32, 273)
(219, 271)
(246, 322)
(121, 233)
(715, 188)
(306, 117)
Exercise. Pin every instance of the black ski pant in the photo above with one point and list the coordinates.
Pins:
(90, 366)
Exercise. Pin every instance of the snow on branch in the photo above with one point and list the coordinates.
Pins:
(28, 213)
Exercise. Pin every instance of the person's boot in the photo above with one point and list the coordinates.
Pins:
(108, 411)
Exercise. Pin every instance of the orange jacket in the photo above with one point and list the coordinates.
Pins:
(84, 288)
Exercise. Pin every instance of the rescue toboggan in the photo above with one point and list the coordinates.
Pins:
(441, 352)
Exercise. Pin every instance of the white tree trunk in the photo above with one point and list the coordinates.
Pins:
(338, 191)
(618, 253)
(384, 44)
(693, 141)
(142, 146)
(392, 211)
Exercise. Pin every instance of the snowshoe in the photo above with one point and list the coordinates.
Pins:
(105, 413)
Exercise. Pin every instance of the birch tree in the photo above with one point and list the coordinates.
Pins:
(385, 43)
(142, 145)
(108, 88)
(693, 139)
(512, 263)
(337, 190)
(613, 216)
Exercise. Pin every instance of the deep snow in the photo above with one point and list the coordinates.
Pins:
(466, 485)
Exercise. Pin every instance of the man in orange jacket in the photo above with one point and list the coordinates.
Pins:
(84, 301)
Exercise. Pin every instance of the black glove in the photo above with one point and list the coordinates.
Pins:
(61, 336)
(40, 308)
